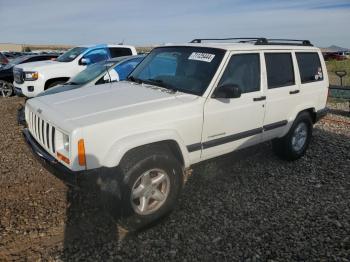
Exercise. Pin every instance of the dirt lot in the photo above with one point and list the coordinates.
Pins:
(244, 206)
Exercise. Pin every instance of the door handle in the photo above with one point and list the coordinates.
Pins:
(259, 98)
(294, 92)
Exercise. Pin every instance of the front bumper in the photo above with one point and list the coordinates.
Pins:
(23, 88)
(94, 177)
(50, 162)
(18, 91)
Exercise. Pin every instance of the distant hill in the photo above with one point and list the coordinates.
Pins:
(334, 48)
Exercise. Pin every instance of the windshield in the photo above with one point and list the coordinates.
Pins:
(71, 54)
(185, 69)
(90, 73)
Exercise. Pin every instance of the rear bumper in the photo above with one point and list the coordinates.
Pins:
(321, 114)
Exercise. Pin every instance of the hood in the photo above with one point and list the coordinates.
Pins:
(93, 104)
(37, 66)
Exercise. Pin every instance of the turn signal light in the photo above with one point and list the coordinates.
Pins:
(81, 153)
(63, 158)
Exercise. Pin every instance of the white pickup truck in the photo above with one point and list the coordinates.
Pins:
(181, 105)
(31, 79)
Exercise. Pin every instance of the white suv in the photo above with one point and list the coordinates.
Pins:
(181, 105)
(33, 78)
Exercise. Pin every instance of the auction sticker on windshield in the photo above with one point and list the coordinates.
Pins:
(205, 57)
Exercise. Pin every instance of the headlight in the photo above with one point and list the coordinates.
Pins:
(31, 76)
(62, 146)
(66, 142)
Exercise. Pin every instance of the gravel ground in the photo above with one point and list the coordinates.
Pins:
(248, 206)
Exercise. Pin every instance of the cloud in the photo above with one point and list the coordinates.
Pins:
(157, 21)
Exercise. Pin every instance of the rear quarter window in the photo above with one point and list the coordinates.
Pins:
(280, 71)
(309, 67)
(119, 51)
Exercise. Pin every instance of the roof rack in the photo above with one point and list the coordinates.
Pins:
(258, 41)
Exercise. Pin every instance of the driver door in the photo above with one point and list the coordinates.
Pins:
(233, 123)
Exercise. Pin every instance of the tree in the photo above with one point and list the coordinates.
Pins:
(26, 49)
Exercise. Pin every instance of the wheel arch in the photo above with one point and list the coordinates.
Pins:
(167, 138)
(302, 108)
(52, 80)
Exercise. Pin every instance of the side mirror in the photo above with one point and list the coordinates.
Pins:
(106, 78)
(228, 91)
(84, 61)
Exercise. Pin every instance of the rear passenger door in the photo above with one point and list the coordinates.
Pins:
(313, 79)
(232, 123)
(282, 92)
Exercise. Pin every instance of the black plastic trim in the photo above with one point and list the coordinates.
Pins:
(321, 114)
(231, 138)
(194, 147)
(294, 92)
(275, 125)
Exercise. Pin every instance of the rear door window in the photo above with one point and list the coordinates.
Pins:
(279, 67)
(96, 55)
(125, 68)
(119, 51)
(309, 67)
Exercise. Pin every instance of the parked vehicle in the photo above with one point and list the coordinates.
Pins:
(12, 55)
(181, 105)
(334, 56)
(3, 60)
(32, 79)
(346, 54)
(113, 70)
(6, 72)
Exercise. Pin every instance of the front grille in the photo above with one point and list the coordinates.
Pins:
(18, 75)
(42, 131)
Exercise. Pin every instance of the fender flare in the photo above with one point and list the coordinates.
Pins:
(120, 147)
(295, 113)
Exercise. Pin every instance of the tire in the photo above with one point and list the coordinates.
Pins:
(295, 143)
(56, 83)
(6, 89)
(161, 165)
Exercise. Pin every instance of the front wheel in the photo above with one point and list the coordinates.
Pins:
(151, 184)
(6, 89)
(294, 145)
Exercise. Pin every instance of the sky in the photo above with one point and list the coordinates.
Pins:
(152, 22)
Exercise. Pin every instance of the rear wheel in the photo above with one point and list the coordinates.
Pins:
(6, 89)
(294, 145)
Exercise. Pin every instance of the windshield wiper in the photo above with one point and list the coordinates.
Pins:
(134, 79)
(161, 83)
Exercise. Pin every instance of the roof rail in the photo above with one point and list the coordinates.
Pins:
(242, 39)
(288, 42)
(259, 41)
